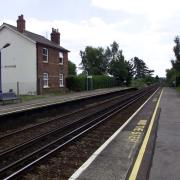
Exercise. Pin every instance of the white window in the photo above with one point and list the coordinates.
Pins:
(61, 80)
(61, 58)
(45, 55)
(45, 80)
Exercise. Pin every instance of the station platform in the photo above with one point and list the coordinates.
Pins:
(166, 159)
(133, 152)
(33, 104)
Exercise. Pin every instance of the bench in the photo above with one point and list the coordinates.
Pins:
(9, 97)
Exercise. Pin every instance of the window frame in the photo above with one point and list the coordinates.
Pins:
(61, 80)
(45, 79)
(45, 55)
(61, 57)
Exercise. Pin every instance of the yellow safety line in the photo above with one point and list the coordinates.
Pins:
(137, 164)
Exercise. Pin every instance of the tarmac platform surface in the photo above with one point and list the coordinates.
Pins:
(166, 160)
(36, 103)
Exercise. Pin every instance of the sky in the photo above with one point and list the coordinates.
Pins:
(142, 28)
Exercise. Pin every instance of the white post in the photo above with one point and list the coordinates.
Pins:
(17, 88)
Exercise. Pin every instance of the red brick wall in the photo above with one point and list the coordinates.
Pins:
(53, 68)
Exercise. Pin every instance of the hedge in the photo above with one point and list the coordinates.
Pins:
(81, 83)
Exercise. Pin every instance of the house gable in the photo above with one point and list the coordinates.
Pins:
(18, 62)
(16, 32)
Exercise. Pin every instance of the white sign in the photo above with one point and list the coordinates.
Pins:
(89, 76)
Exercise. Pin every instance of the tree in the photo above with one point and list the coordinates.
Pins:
(176, 62)
(71, 68)
(157, 79)
(176, 49)
(130, 72)
(118, 66)
(99, 61)
(94, 61)
(171, 76)
(140, 70)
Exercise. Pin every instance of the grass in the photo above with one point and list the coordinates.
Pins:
(33, 97)
(178, 89)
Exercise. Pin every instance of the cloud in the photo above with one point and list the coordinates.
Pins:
(154, 9)
(136, 36)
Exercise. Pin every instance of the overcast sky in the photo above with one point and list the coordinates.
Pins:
(142, 28)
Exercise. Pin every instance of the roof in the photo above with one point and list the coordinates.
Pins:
(38, 38)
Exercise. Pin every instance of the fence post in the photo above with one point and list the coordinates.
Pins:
(18, 88)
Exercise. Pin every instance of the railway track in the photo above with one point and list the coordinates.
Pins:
(53, 124)
(31, 116)
(19, 158)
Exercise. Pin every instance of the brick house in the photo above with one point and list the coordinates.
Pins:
(36, 64)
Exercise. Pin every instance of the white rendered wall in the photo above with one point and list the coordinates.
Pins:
(18, 63)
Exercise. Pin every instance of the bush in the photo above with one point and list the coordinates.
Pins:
(103, 82)
(80, 83)
(138, 83)
(76, 83)
(178, 89)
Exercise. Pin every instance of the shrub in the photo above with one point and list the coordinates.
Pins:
(138, 83)
(76, 83)
(81, 83)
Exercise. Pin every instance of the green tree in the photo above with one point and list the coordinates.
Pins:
(118, 66)
(176, 62)
(176, 49)
(157, 79)
(94, 61)
(130, 72)
(171, 76)
(140, 70)
(71, 68)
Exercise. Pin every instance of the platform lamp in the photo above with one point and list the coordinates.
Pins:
(5, 46)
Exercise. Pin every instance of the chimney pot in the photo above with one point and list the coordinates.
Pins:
(55, 36)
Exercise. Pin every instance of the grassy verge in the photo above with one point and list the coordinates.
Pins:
(33, 97)
(178, 89)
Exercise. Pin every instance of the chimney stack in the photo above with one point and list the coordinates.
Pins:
(55, 36)
(21, 24)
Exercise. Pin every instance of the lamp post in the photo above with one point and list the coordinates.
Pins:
(5, 46)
